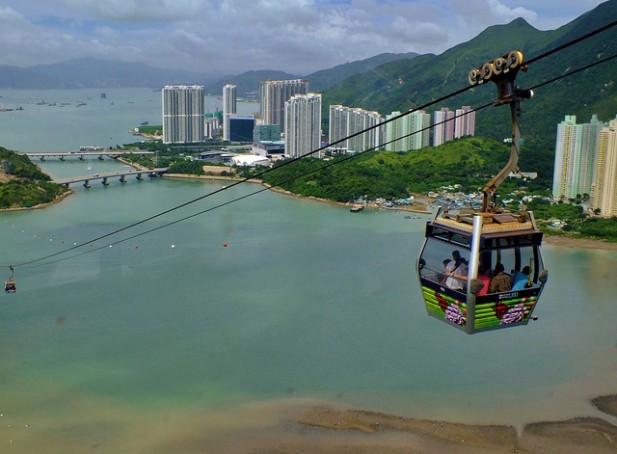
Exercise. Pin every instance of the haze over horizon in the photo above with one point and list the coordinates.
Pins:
(234, 36)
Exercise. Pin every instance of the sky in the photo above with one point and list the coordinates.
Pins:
(234, 36)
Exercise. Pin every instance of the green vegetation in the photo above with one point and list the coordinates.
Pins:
(151, 129)
(468, 162)
(23, 184)
(187, 167)
(407, 84)
(20, 166)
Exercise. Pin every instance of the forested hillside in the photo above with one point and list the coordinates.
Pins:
(22, 184)
(469, 162)
(406, 84)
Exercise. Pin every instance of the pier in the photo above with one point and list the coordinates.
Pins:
(105, 176)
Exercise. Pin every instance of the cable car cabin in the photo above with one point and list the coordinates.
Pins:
(9, 286)
(458, 261)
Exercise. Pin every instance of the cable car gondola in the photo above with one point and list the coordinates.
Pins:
(9, 284)
(478, 241)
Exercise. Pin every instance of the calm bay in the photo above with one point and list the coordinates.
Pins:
(270, 301)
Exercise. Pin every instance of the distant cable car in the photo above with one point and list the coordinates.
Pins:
(9, 284)
(464, 250)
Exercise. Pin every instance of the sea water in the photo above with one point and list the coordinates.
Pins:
(267, 299)
(64, 120)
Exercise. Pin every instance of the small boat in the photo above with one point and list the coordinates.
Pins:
(356, 208)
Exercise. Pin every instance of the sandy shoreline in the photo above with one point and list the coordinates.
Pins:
(330, 428)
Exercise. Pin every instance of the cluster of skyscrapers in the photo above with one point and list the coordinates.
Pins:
(586, 163)
(289, 110)
(397, 132)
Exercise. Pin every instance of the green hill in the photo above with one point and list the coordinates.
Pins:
(23, 184)
(406, 84)
(468, 162)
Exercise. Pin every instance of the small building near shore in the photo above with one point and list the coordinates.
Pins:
(250, 160)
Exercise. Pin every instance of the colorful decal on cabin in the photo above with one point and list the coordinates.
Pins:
(501, 309)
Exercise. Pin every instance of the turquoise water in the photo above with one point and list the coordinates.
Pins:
(67, 125)
(306, 303)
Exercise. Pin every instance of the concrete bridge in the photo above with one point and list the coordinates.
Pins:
(63, 155)
(105, 176)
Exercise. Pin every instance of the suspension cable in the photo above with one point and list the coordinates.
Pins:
(30, 265)
(318, 150)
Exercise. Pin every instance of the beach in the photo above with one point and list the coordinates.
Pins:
(297, 426)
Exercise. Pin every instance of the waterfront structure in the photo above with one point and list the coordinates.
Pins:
(241, 128)
(443, 129)
(347, 121)
(229, 107)
(183, 113)
(274, 95)
(604, 187)
(302, 124)
(464, 122)
(410, 132)
(576, 146)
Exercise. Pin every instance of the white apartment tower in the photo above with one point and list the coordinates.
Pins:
(274, 95)
(302, 124)
(604, 187)
(229, 107)
(464, 122)
(183, 113)
(576, 146)
(443, 129)
(347, 121)
(410, 132)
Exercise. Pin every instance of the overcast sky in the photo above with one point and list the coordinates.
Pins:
(233, 36)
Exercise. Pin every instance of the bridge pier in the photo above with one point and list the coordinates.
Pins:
(140, 176)
(42, 158)
(105, 182)
(122, 178)
(101, 157)
(61, 158)
(87, 184)
(81, 157)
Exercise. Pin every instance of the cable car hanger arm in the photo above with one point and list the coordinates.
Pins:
(502, 71)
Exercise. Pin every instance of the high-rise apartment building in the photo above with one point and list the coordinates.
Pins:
(229, 107)
(274, 95)
(183, 113)
(575, 156)
(443, 129)
(604, 187)
(347, 121)
(464, 122)
(302, 124)
(410, 132)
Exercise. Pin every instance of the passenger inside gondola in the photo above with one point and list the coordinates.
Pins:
(521, 279)
(500, 282)
(456, 272)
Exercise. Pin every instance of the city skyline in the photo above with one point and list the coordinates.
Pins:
(234, 37)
